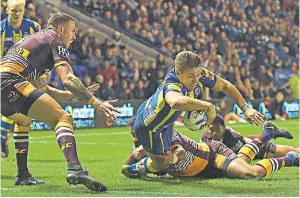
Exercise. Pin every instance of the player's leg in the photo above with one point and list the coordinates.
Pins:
(41, 106)
(157, 146)
(282, 150)
(6, 125)
(21, 140)
(270, 131)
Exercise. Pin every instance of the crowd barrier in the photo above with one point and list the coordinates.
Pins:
(85, 116)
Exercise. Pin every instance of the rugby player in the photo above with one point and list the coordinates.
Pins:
(13, 28)
(29, 60)
(235, 141)
(179, 92)
(212, 158)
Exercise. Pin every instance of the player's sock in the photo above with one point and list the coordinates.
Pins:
(5, 129)
(274, 164)
(66, 141)
(145, 166)
(21, 139)
(251, 149)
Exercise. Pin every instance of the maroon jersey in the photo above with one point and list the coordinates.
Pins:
(232, 139)
(35, 55)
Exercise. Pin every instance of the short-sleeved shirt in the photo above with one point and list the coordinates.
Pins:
(10, 36)
(35, 55)
(157, 113)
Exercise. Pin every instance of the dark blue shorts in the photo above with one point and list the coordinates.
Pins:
(155, 142)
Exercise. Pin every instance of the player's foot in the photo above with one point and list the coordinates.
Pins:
(128, 171)
(294, 157)
(273, 131)
(26, 179)
(4, 150)
(80, 176)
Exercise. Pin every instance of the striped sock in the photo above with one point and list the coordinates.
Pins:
(66, 141)
(21, 139)
(251, 149)
(274, 164)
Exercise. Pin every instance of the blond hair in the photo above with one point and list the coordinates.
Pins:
(15, 2)
(187, 59)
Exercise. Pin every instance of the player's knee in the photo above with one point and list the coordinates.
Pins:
(64, 117)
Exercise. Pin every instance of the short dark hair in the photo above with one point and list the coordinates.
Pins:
(219, 120)
(59, 18)
(187, 59)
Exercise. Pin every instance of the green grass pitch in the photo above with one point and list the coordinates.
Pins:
(102, 151)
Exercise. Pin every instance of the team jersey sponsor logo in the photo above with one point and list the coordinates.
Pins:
(63, 52)
(9, 39)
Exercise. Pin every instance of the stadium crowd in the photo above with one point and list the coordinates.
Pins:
(244, 41)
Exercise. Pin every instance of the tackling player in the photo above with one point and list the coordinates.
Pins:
(30, 60)
(13, 28)
(213, 158)
(235, 141)
(179, 92)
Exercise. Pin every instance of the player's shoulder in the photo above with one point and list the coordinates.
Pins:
(230, 131)
(32, 24)
(171, 77)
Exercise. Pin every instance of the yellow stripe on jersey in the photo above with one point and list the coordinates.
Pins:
(17, 36)
(5, 119)
(195, 167)
(2, 44)
(191, 94)
(160, 104)
(219, 161)
(26, 88)
(203, 147)
(3, 129)
(25, 53)
(31, 31)
(175, 86)
(172, 111)
(150, 137)
(37, 26)
(162, 142)
(200, 85)
(60, 63)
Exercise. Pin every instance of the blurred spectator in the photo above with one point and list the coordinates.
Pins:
(275, 107)
(295, 83)
(109, 72)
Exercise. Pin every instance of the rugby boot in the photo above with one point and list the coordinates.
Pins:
(76, 175)
(294, 157)
(26, 179)
(273, 131)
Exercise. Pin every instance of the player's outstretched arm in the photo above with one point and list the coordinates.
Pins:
(76, 87)
(183, 103)
(231, 91)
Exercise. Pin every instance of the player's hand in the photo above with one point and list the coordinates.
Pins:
(139, 153)
(93, 88)
(180, 152)
(254, 117)
(107, 110)
(211, 114)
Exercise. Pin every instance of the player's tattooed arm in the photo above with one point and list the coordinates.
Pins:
(76, 87)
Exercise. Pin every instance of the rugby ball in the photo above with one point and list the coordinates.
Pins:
(195, 120)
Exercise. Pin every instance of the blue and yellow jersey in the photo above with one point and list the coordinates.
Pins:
(157, 113)
(10, 36)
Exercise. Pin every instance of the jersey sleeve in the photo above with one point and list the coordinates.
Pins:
(208, 79)
(186, 142)
(177, 87)
(60, 53)
(36, 26)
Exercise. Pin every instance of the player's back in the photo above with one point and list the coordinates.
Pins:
(35, 55)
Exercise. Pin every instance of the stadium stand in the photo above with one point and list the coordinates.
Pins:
(250, 43)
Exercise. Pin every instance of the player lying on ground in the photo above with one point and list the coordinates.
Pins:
(213, 158)
(218, 131)
(179, 91)
(29, 61)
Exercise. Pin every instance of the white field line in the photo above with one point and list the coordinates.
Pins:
(84, 135)
(129, 192)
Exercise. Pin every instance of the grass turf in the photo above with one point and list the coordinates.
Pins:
(103, 151)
